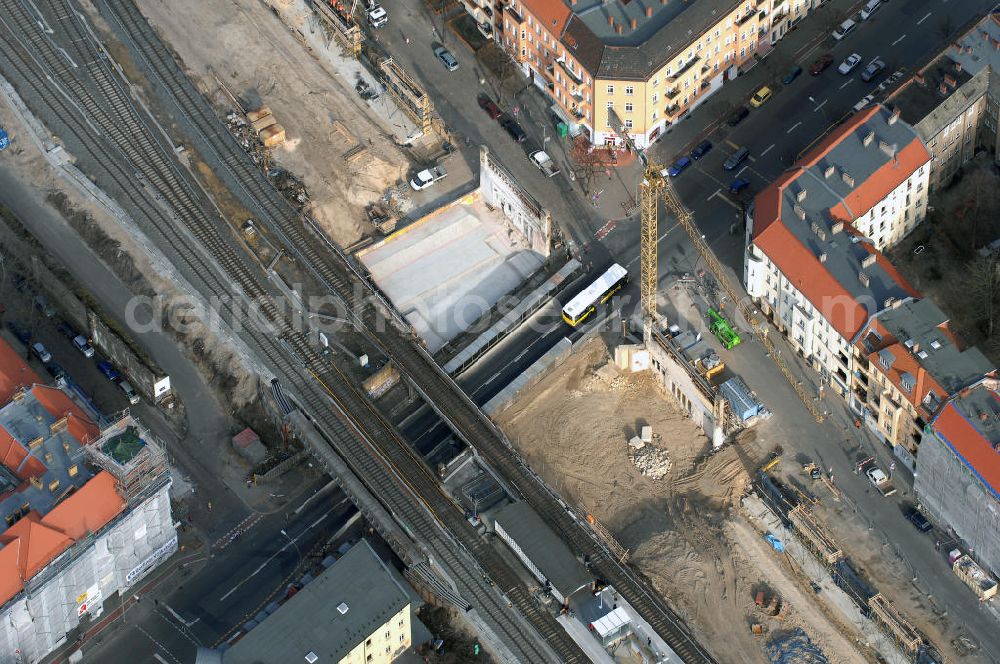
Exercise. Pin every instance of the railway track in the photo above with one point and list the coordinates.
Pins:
(340, 275)
(119, 139)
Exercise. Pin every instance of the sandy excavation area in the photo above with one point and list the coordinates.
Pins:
(683, 531)
(262, 62)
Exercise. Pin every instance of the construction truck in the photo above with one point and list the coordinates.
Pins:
(723, 330)
(880, 480)
(709, 365)
(427, 177)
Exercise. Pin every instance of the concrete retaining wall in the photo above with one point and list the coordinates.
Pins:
(281, 468)
(556, 355)
(151, 383)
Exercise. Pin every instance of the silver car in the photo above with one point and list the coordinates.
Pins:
(445, 56)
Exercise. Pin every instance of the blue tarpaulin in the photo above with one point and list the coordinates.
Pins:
(4, 140)
(740, 398)
(775, 542)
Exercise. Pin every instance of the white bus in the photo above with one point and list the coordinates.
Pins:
(584, 304)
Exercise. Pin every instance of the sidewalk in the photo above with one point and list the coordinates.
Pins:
(794, 48)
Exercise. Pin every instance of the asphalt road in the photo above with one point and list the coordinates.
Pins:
(199, 605)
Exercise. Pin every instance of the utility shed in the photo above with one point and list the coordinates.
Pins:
(248, 444)
(355, 611)
(544, 554)
(740, 398)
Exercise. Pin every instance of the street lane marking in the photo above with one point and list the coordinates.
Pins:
(925, 18)
(603, 231)
(821, 105)
(848, 82)
(727, 200)
(714, 194)
(157, 657)
(767, 149)
(793, 127)
(317, 521)
(732, 145)
(742, 169)
(260, 568)
(899, 40)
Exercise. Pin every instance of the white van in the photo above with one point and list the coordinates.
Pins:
(844, 29)
(870, 8)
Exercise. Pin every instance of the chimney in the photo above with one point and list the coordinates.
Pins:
(618, 28)
(863, 278)
(649, 11)
(611, 20)
(868, 260)
(958, 66)
(949, 80)
(801, 196)
(828, 171)
(799, 212)
(847, 178)
(837, 228)
(916, 348)
(869, 137)
(634, 23)
(895, 116)
(822, 257)
(943, 89)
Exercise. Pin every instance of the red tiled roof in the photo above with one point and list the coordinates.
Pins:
(883, 181)
(960, 434)
(14, 373)
(59, 405)
(15, 456)
(34, 541)
(552, 14)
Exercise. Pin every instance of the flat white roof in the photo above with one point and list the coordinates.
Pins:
(578, 304)
(611, 622)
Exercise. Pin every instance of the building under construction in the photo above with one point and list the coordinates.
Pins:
(86, 514)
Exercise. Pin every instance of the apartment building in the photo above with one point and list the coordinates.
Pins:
(648, 62)
(959, 479)
(355, 612)
(86, 513)
(815, 237)
(908, 363)
(953, 101)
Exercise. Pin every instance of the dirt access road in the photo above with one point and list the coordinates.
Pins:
(683, 531)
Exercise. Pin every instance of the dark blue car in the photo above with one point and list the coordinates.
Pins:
(738, 185)
(701, 150)
(679, 166)
(108, 370)
(22, 333)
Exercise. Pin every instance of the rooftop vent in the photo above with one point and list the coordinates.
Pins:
(894, 117)
(863, 278)
(828, 171)
(820, 233)
(837, 227)
(936, 344)
(869, 137)
(343, 608)
(822, 257)
(922, 354)
(801, 195)
(312, 657)
(909, 343)
(799, 212)
(868, 260)
(847, 178)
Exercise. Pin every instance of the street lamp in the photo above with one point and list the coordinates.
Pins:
(298, 551)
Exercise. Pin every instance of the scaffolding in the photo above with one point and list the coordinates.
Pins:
(127, 451)
(817, 538)
(894, 624)
(340, 21)
(408, 94)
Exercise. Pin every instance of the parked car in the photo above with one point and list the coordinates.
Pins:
(108, 370)
(43, 305)
(22, 333)
(427, 177)
(870, 8)
(81, 344)
(544, 163)
(919, 521)
(821, 64)
(873, 69)
(880, 480)
(511, 126)
(678, 166)
(489, 106)
(130, 393)
(736, 159)
(66, 330)
(848, 65)
(760, 97)
(55, 370)
(738, 115)
(792, 74)
(701, 150)
(377, 16)
(39, 350)
(445, 56)
(738, 185)
(844, 29)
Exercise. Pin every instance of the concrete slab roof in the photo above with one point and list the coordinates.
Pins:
(546, 550)
(938, 86)
(329, 616)
(803, 220)
(980, 46)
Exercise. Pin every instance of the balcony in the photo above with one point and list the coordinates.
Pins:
(690, 63)
(576, 94)
(672, 109)
(569, 72)
(673, 92)
(746, 19)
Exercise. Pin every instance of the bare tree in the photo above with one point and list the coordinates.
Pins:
(984, 284)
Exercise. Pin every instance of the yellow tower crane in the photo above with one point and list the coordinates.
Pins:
(655, 185)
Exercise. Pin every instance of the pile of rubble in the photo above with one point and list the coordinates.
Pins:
(652, 461)
(257, 137)
(794, 647)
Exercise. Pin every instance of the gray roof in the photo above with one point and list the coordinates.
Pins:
(976, 402)
(917, 324)
(546, 550)
(636, 54)
(310, 621)
(845, 252)
(975, 49)
(922, 96)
